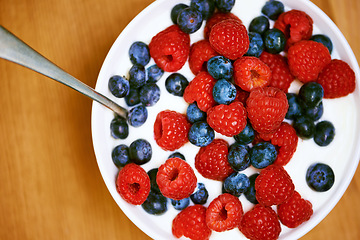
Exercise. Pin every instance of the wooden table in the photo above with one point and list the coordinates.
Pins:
(51, 187)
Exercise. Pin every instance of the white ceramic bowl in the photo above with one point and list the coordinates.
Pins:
(342, 154)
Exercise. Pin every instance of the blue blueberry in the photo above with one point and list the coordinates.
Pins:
(311, 93)
(324, 40)
(236, 184)
(133, 97)
(176, 83)
(324, 133)
(189, 20)
(155, 204)
(224, 92)
(220, 67)
(137, 116)
(140, 151)
(120, 155)
(259, 24)
(304, 126)
(320, 177)
(119, 86)
(238, 157)
(272, 9)
(201, 134)
(262, 155)
(256, 46)
(295, 106)
(139, 53)
(194, 114)
(178, 155)
(119, 128)
(153, 184)
(314, 113)
(176, 10)
(149, 94)
(224, 6)
(137, 76)
(200, 195)
(246, 136)
(180, 204)
(250, 193)
(206, 7)
(153, 73)
(274, 41)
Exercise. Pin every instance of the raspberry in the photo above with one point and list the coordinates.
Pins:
(211, 160)
(250, 73)
(200, 91)
(216, 18)
(294, 211)
(337, 79)
(228, 120)
(191, 223)
(133, 184)
(286, 139)
(307, 59)
(296, 25)
(260, 223)
(229, 38)
(281, 76)
(266, 108)
(200, 53)
(170, 48)
(224, 213)
(273, 186)
(241, 95)
(171, 129)
(176, 179)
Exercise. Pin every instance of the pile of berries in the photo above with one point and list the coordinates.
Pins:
(240, 91)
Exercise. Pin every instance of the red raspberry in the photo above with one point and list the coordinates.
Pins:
(170, 48)
(191, 223)
(216, 18)
(296, 25)
(286, 139)
(266, 108)
(229, 38)
(176, 179)
(224, 213)
(133, 184)
(171, 130)
(228, 120)
(200, 53)
(281, 76)
(294, 211)
(250, 73)
(307, 59)
(273, 186)
(211, 160)
(337, 79)
(260, 223)
(200, 90)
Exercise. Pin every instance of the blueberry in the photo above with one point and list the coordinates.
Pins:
(262, 155)
(176, 83)
(180, 204)
(324, 133)
(201, 134)
(272, 9)
(194, 114)
(176, 10)
(295, 107)
(314, 113)
(139, 53)
(220, 67)
(236, 184)
(137, 116)
(274, 41)
(259, 24)
(153, 73)
(311, 93)
(246, 136)
(304, 126)
(119, 128)
(133, 97)
(320, 177)
(140, 151)
(224, 6)
(120, 155)
(200, 195)
(324, 40)
(238, 157)
(224, 92)
(256, 46)
(189, 20)
(206, 7)
(155, 204)
(119, 86)
(149, 94)
(178, 155)
(137, 76)
(250, 193)
(152, 175)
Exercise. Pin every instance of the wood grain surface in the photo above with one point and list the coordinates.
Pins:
(51, 187)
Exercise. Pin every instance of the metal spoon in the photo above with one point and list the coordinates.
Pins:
(15, 50)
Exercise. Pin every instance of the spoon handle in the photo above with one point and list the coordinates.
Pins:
(15, 50)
